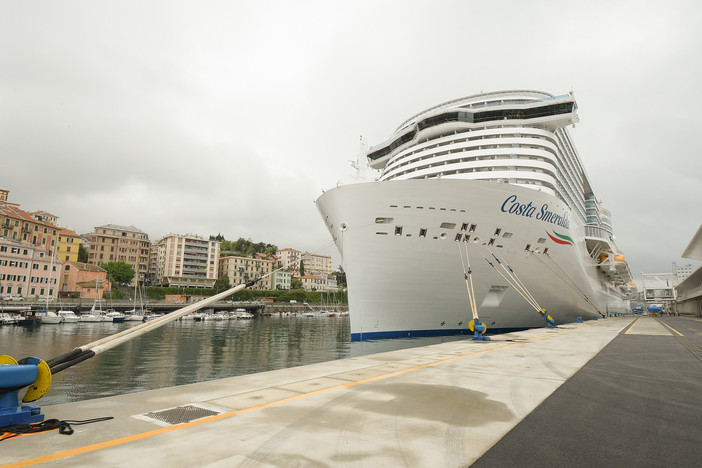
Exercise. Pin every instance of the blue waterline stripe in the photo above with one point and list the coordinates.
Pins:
(424, 333)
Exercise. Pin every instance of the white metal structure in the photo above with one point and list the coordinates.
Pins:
(497, 170)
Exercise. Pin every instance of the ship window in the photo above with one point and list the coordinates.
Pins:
(541, 240)
(499, 246)
(381, 233)
(443, 235)
(491, 241)
(448, 225)
(432, 208)
(464, 227)
(422, 232)
(546, 250)
(507, 235)
(458, 237)
(466, 238)
(528, 247)
(472, 228)
(398, 230)
(393, 206)
(407, 206)
(384, 220)
(476, 239)
(497, 232)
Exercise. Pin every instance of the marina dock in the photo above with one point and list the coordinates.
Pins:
(623, 391)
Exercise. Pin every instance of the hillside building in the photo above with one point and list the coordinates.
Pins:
(27, 270)
(115, 243)
(242, 269)
(187, 261)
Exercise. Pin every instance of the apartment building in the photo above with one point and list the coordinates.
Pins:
(313, 283)
(27, 270)
(281, 280)
(186, 261)
(153, 265)
(242, 269)
(289, 258)
(68, 245)
(115, 243)
(320, 265)
(85, 280)
(19, 225)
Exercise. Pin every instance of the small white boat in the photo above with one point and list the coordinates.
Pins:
(89, 318)
(132, 316)
(50, 318)
(68, 316)
(242, 314)
(7, 319)
(113, 316)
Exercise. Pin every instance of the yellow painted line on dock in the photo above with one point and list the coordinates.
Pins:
(164, 430)
(631, 326)
(673, 329)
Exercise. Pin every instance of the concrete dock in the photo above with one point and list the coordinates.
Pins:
(613, 392)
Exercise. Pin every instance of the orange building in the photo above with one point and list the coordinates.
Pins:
(89, 281)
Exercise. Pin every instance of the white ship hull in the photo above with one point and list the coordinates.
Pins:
(404, 269)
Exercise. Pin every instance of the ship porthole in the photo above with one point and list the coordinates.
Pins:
(343, 226)
(476, 239)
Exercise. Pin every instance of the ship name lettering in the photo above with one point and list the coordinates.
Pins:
(516, 208)
(553, 218)
(512, 205)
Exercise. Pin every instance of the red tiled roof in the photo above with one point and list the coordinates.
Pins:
(16, 213)
(67, 232)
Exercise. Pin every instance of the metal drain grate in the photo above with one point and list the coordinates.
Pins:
(181, 414)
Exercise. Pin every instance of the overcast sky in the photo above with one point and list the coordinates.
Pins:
(231, 117)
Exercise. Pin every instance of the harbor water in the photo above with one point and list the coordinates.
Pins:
(188, 352)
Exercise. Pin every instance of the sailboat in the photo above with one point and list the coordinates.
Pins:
(48, 316)
(94, 314)
(133, 315)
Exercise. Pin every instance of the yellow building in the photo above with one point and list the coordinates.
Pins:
(68, 245)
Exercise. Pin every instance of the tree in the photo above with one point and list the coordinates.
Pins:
(340, 277)
(82, 254)
(119, 272)
(222, 283)
(302, 268)
(295, 284)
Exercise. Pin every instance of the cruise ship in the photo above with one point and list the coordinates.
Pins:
(482, 210)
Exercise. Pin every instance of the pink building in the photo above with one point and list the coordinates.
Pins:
(89, 281)
(27, 270)
(289, 257)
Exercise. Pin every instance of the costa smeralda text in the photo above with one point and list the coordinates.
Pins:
(513, 206)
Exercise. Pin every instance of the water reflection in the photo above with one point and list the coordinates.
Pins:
(188, 352)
